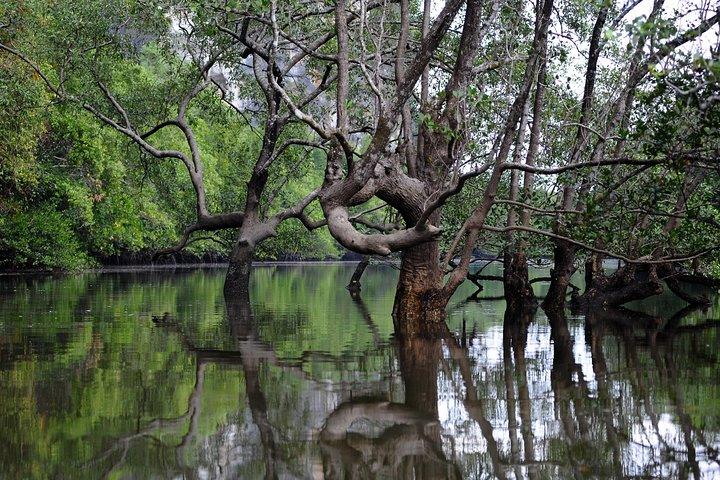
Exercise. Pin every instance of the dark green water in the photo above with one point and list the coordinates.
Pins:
(152, 375)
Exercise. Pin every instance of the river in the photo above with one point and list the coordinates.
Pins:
(150, 374)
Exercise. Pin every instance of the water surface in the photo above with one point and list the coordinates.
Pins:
(152, 375)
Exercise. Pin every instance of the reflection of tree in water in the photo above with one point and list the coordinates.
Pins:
(614, 429)
(589, 426)
(522, 418)
(253, 355)
(668, 343)
(407, 441)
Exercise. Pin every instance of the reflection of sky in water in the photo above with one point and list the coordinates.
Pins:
(645, 452)
(87, 362)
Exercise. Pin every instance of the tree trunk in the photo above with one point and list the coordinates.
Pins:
(628, 283)
(237, 280)
(560, 274)
(354, 286)
(419, 308)
(519, 295)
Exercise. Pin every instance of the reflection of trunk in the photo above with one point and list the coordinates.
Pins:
(474, 404)
(567, 393)
(515, 331)
(560, 274)
(419, 359)
(258, 408)
(676, 397)
(419, 308)
(242, 328)
(563, 359)
(410, 446)
(593, 335)
(367, 318)
(237, 280)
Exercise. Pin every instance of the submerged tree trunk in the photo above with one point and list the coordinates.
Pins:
(355, 286)
(519, 295)
(419, 308)
(560, 275)
(628, 283)
(237, 279)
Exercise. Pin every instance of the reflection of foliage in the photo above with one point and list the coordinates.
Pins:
(91, 366)
(83, 366)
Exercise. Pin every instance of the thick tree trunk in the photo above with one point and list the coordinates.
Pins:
(519, 295)
(419, 308)
(560, 275)
(237, 279)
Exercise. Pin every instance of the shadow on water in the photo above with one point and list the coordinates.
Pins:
(132, 376)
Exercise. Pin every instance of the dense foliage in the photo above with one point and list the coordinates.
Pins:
(75, 194)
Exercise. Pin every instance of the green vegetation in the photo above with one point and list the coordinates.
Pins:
(75, 193)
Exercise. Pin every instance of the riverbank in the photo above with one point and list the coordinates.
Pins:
(170, 266)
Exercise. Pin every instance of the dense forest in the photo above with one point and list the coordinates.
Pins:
(569, 131)
(74, 194)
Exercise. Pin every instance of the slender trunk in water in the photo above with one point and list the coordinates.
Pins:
(355, 286)
(419, 308)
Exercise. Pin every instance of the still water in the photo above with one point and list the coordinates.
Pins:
(151, 375)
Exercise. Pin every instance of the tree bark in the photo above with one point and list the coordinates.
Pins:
(419, 308)
(237, 279)
(560, 274)
(519, 295)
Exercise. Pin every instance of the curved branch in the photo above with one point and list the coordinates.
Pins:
(206, 223)
(341, 227)
(575, 166)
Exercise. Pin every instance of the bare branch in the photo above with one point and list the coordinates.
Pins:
(642, 260)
